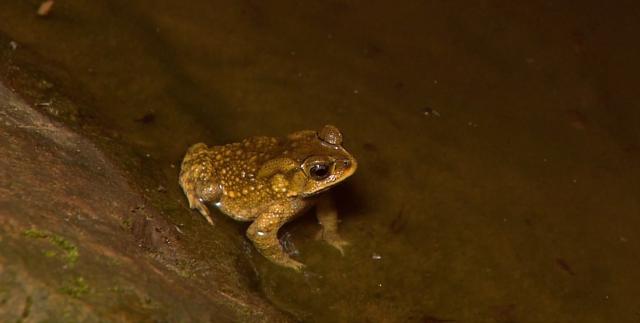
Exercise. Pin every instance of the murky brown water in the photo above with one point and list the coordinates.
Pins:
(499, 143)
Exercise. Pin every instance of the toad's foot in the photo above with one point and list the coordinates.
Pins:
(196, 203)
(263, 232)
(269, 246)
(333, 239)
(295, 265)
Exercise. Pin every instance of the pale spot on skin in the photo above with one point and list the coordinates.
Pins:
(279, 183)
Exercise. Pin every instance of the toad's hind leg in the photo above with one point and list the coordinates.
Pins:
(197, 179)
(263, 232)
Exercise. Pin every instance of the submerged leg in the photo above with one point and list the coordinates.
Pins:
(328, 219)
(263, 232)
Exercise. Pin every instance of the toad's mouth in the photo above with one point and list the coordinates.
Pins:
(321, 190)
(314, 193)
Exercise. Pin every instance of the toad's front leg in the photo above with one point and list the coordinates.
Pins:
(198, 181)
(263, 232)
(328, 219)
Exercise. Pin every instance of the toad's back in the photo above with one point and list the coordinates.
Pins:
(227, 175)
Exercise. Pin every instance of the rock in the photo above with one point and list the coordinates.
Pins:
(79, 243)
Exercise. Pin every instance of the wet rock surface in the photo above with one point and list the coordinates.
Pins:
(78, 242)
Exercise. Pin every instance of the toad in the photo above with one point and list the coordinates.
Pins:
(269, 181)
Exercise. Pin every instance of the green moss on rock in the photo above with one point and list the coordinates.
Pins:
(71, 253)
(77, 287)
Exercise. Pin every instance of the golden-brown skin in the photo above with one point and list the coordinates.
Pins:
(269, 181)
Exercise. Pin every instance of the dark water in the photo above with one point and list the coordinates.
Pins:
(498, 143)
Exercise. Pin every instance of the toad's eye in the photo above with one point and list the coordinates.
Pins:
(319, 172)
